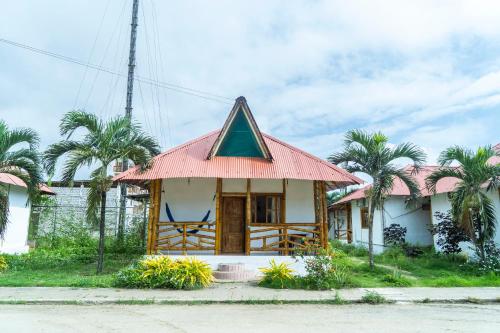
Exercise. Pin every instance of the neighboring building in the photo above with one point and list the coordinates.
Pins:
(237, 191)
(16, 235)
(348, 215)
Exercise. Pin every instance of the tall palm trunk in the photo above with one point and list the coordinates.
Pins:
(371, 209)
(102, 225)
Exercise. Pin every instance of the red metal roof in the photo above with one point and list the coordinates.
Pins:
(400, 189)
(9, 179)
(189, 161)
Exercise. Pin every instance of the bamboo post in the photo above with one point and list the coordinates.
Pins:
(248, 217)
(184, 238)
(151, 216)
(325, 213)
(283, 203)
(218, 231)
(156, 214)
(285, 235)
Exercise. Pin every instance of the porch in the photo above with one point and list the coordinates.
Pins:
(252, 216)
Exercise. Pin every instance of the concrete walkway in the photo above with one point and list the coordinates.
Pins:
(238, 292)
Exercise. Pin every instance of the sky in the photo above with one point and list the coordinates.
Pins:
(426, 72)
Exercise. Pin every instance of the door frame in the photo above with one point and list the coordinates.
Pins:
(244, 233)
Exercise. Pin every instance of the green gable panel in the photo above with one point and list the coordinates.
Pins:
(240, 140)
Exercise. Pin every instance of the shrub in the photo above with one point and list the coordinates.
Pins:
(412, 251)
(491, 262)
(349, 249)
(3, 264)
(394, 234)
(372, 297)
(190, 273)
(163, 272)
(449, 233)
(329, 268)
(277, 275)
(397, 279)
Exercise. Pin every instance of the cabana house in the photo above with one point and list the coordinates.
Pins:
(15, 238)
(237, 191)
(348, 216)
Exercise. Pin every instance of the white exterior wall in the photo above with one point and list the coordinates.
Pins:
(416, 221)
(190, 199)
(16, 235)
(441, 203)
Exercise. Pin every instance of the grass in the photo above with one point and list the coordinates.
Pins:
(394, 269)
(68, 274)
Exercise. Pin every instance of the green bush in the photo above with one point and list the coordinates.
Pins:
(277, 275)
(397, 279)
(328, 268)
(44, 258)
(3, 264)
(163, 272)
(372, 297)
(349, 249)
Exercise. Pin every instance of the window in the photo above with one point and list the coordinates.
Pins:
(266, 208)
(364, 217)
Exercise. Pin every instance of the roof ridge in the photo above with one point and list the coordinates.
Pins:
(331, 165)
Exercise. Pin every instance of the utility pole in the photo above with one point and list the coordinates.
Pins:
(128, 112)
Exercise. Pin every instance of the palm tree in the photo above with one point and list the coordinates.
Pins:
(471, 206)
(18, 157)
(369, 153)
(103, 143)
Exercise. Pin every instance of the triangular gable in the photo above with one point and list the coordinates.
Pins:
(240, 136)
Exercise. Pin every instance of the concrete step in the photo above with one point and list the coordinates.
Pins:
(233, 272)
(231, 267)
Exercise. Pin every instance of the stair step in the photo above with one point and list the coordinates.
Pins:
(231, 267)
(234, 275)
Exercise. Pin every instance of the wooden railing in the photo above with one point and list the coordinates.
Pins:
(284, 238)
(186, 236)
(343, 234)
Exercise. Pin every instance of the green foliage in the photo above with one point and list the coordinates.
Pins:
(103, 142)
(372, 297)
(349, 249)
(18, 157)
(3, 264)
(163, 272)
(396, 279)
(370, 153)
(328, 268)
(277, 275)
(471, 207)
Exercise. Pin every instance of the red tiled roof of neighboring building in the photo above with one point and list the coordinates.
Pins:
(9, 179)
(400, 189)
(189, 160)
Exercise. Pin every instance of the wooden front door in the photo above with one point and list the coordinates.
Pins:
(233, 225)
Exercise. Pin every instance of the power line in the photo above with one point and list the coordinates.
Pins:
(146, 80)
(90, 54)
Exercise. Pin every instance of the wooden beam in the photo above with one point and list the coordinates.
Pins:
(248, 216)
(325, 212)
(150, 217)
(156, 214)
(283, 203)
(218, 230)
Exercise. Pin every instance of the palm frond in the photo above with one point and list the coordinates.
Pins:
(4, 210)
(74, 120)
(432, 180)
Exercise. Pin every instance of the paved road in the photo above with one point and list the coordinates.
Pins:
(250, 318)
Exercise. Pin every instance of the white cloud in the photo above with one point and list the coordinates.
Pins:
(309, 69)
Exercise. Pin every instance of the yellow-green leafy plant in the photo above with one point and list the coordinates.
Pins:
(164, 272)
(3, 264)
(277, 275)
(191, 273)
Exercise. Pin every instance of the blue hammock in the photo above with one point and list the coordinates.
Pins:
(171, 218)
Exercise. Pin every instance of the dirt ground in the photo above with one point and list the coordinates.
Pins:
(250, 318)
